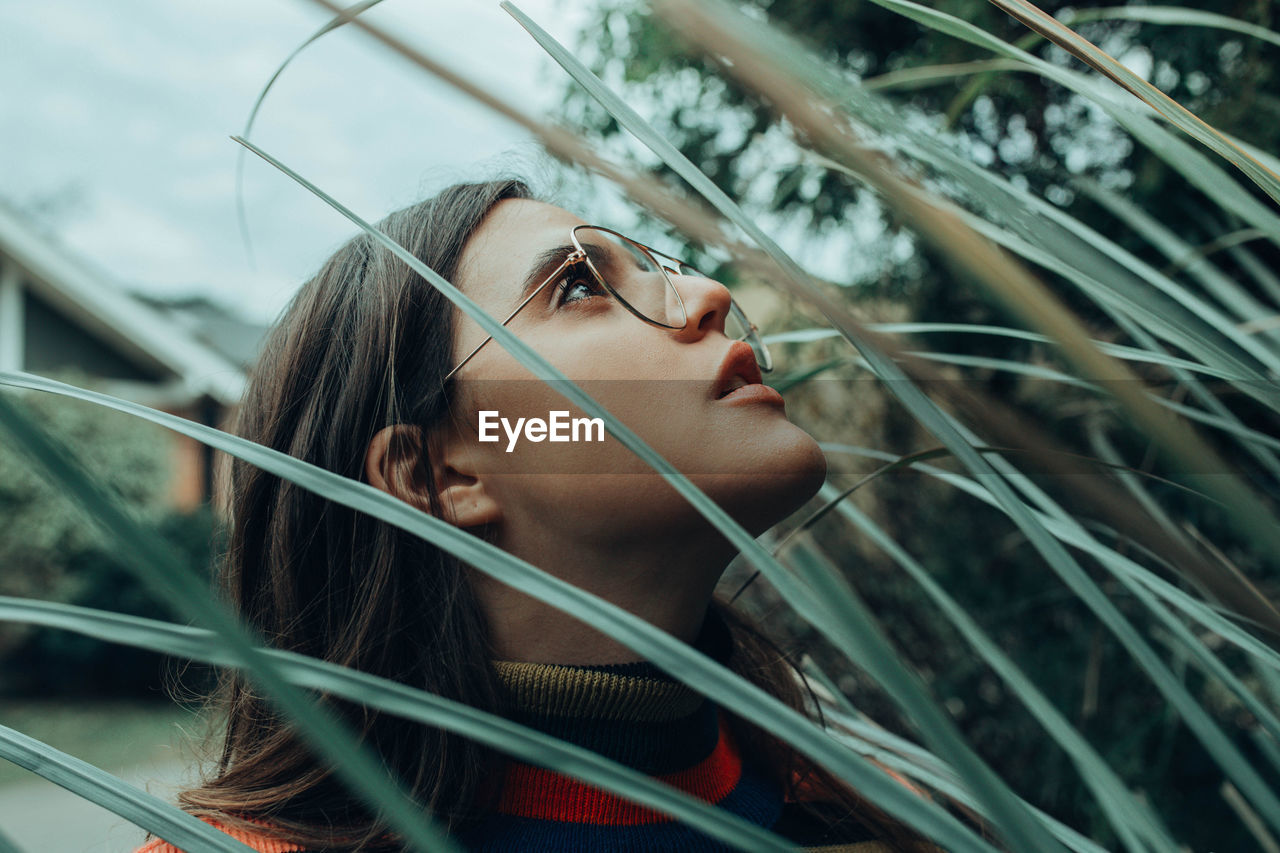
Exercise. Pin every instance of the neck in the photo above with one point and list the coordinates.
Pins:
(668, 587)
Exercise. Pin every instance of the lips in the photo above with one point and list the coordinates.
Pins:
(738, 369)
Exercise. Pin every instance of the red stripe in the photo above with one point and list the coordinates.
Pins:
(530, 791)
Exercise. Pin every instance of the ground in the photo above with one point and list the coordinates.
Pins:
(150, 746)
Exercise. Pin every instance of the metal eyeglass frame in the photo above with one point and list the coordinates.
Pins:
(752, 335)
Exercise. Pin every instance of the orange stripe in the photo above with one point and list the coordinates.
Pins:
(530, 791)
(261, 843)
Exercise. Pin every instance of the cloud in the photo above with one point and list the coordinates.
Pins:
(134, 103)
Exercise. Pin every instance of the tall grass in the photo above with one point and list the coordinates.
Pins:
(1189, 324)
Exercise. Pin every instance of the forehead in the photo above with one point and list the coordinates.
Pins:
(497, 257)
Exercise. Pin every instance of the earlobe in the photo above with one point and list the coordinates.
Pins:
(465, 498)
(468, 504)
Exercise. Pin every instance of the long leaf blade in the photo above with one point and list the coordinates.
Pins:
(101, 788)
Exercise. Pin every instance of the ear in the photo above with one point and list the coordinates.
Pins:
(392, 464)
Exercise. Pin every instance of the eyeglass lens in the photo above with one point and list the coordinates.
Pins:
(633, 274)
(644, 285)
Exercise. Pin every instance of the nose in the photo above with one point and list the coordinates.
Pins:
(706, 305)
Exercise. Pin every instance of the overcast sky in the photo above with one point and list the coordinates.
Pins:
(115, 120)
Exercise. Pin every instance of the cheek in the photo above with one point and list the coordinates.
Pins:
(541, 433)
(750, 460)
(614, 361)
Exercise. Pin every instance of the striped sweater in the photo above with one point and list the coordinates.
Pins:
(637, 715)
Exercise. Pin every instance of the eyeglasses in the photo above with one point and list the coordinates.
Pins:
(639, 277)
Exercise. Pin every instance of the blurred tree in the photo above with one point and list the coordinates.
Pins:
(49, 663)
(1046, 139)
(50, 551)
(43, 530)
(1019, 125)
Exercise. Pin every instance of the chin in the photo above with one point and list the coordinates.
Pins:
(772, 483)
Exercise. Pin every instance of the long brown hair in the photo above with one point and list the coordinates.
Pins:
(364, 345)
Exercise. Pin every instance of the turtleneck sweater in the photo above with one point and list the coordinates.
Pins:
(639, 716)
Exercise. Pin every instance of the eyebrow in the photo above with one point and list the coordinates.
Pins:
(547, 260)
(543, 263)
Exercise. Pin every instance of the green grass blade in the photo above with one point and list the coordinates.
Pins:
(1120, 351)
(1052, 238)
(241, 215)
(1108, 274)
(1181, 157)
(171, 580)
(1218, 284)
(1058, 523)
(1201, 655)
(1251, 439)
(1222, 417)
(1175, 16)
(923, 76)
(1072, 535)
(1266, 278)
(1176, 114)
(1134, 579)
(1193, 311)
(1168, 15)
(802, 336)
(1182, 319)
(1248, 518)
(801, 375)
(671, 655)
(410, 703)
(904, 757)
(1215, 741)
(907, 689)
(347, 14)
(1126, 813)
(945, 784)
(101, 788)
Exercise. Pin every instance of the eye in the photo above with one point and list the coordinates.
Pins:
(577, 284)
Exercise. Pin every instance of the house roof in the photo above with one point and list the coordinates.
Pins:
(143, 333)
(234, 337)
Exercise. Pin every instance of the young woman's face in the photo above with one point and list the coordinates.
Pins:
(662, 383)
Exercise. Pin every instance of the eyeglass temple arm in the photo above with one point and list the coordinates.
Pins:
(571, 258)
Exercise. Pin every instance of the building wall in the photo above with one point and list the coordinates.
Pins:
(53, 342)
(188, 479)
(44, 340)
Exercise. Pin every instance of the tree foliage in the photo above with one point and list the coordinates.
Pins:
(49, 553)
(1060, 146)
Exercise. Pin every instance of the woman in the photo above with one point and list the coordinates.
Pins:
(372, 373)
